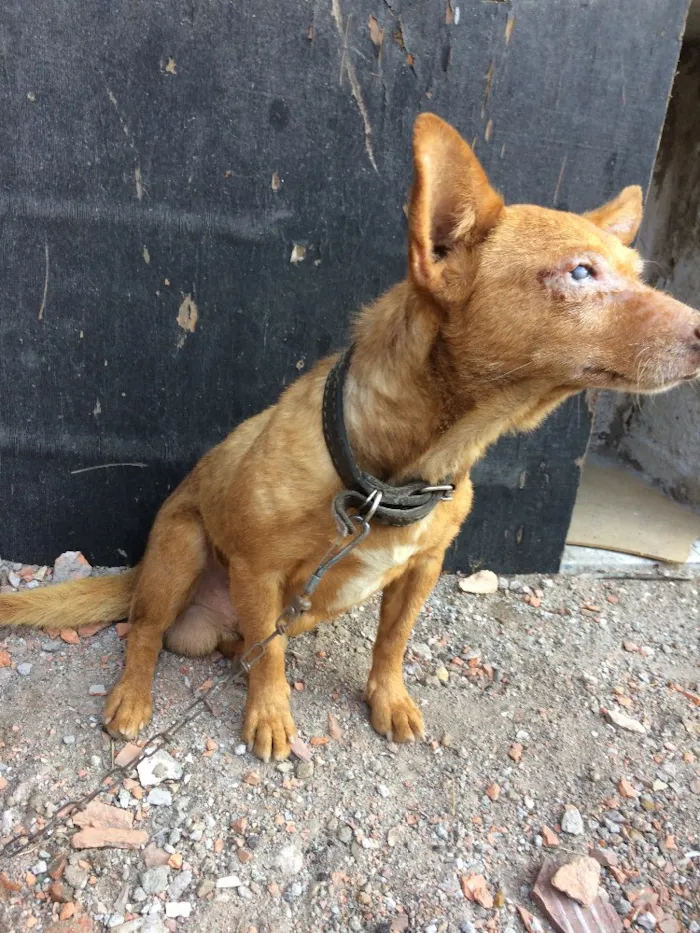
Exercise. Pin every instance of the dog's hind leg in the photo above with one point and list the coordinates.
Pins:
(175, 557)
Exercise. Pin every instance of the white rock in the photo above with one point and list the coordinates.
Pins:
(624, 722)
(24, 669)
(289, 860)
(647, 921)
(422, 650)
(159, 797)
(572, 822)
(178, 909)
(131, 926)
(159, 767)
(229, 881)
(481, 582)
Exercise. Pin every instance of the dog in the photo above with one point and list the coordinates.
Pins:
(506, 311)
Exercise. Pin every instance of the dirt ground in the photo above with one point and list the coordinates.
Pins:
(516, 690)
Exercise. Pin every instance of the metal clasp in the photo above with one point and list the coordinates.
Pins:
(446, 490)
(373, 501)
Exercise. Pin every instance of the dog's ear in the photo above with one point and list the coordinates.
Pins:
(621, 216)
(451, 200)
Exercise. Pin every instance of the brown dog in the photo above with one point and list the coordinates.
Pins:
(505, 313)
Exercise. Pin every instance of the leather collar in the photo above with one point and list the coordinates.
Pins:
(399, 505)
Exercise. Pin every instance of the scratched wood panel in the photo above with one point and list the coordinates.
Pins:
(147, 299)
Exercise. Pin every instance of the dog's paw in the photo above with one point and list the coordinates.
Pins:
(127, 710)
(268, 728)
(394, 714)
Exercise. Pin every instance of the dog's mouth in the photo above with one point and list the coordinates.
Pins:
(599, 372)
(618, 379)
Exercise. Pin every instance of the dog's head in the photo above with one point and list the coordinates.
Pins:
(525, 292)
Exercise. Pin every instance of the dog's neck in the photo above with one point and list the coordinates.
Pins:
(409, 413)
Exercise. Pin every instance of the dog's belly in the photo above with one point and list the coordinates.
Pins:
(371, 570)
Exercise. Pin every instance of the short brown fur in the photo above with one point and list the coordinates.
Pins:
(490, 331)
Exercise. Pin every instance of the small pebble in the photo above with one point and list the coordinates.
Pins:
(572, 822)
(159, 797)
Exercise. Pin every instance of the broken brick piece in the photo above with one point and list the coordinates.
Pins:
(102, 816)
(530, 922)
(626, 789)
(474, 889)
(127, 754)
(605, 857)
(579, 879)
(87, 631)
(566, 915)
(69, 636)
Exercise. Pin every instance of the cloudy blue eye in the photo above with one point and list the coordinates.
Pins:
(578, 273)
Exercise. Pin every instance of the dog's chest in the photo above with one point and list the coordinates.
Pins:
(372, 569)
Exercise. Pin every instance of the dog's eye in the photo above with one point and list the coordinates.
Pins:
(439, 252)
(581, 272)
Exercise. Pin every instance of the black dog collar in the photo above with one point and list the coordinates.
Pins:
(399, 505)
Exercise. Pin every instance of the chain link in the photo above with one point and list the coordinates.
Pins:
(358, 527)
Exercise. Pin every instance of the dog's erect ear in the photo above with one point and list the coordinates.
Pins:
(621, 216)
(451, 200)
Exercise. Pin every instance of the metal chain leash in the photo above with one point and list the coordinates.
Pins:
(357, 526)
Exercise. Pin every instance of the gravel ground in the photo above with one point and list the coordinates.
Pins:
(517, 690)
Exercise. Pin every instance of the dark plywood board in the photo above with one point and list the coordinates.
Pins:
(138, 145)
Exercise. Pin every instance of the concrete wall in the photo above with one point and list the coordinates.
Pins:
(660, 435)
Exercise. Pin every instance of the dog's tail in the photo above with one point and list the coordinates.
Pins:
(70, 605)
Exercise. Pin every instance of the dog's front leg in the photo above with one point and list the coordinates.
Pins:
(268, 726)
(394, 713)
